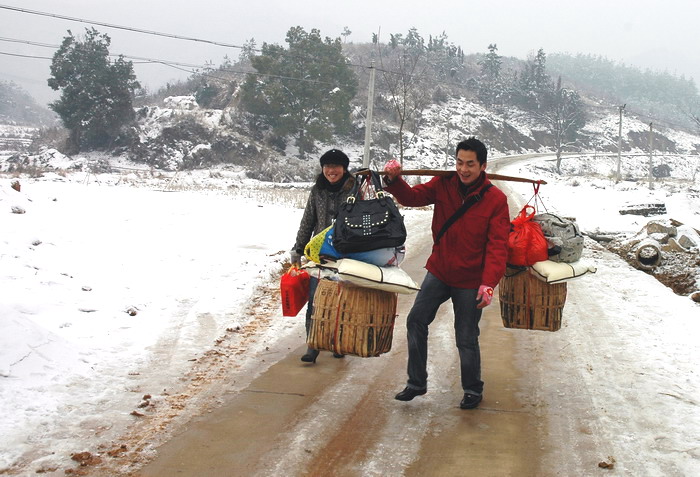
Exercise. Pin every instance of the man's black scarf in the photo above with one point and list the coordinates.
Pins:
(466, 190)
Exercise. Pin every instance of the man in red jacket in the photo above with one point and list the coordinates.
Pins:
(467, 261)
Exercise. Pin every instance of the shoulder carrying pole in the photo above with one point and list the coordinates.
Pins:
(431, 172)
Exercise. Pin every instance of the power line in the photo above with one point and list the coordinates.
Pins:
(25, 56)
(168, 62)
(639, 114)
(27, 42)
(151, 32)
(170, 35)
(174, 64)
(142, 59)
(209, 75)
(186, 38)
(181, 67)
(212, 42)
(217, 43)
(118, 27)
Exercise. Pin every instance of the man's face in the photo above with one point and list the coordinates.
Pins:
(333, 172)
(468, 167)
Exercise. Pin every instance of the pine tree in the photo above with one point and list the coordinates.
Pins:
(534, 85)
(303, 91)
(96, 92)
(491, 89)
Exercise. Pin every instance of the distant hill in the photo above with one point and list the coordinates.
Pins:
(19, 108)
(659, 96)
(427, 95)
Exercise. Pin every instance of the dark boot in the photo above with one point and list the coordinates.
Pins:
(470, 401)
(338, 355)
(409, 393)
(310, 356)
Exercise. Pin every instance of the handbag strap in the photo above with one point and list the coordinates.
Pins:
(354, 196)
(463, 208)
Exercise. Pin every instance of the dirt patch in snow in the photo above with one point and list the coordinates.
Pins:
(158, 417)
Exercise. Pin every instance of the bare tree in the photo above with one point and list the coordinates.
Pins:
(403, 71)
(696, 119)
(563, 116)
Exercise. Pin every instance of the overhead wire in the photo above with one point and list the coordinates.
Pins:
(117, 27)
(25, 56)
(641, 115)
(194, 69)
(180, 37)
(177, 65)
(157, 33)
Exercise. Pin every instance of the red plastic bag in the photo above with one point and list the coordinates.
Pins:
(294, 287)
(526, 242)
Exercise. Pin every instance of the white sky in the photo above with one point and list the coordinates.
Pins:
(645, 33)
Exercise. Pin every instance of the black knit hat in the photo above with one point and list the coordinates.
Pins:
(335, 156)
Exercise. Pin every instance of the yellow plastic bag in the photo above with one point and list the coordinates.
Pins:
(313, 248)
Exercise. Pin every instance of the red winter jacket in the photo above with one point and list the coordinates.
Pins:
(473, 251)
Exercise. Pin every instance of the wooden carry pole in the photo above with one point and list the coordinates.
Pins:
(432, 172)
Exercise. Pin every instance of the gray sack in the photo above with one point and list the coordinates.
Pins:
(564, 239)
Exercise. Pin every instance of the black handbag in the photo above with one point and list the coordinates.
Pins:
(364, 225)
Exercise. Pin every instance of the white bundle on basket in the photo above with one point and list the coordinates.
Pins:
(366, 275)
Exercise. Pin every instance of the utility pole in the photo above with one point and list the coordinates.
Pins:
(368, 120)
(651, 142)
(447, 146)
(619, 144)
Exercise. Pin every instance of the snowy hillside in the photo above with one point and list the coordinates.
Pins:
(181, 135)
(14, 138)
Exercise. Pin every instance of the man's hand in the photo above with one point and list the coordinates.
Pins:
(295, 258)
(392, 169)
(484, 296)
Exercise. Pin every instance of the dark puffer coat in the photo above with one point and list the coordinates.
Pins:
(321, 208)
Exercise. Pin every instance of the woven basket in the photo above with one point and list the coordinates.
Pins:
(530, 304)
(352, 320)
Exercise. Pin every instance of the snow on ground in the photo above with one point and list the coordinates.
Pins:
(588, 191)
(621, 375)
(112, 282)
(81, 260)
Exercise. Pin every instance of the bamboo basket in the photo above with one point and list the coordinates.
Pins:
(529, 303)
(353, 320)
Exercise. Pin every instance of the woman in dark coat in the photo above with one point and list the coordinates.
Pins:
(332, 188)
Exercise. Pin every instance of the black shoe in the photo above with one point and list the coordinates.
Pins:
(310, 356)
(470, 401)
(338, 355)
(409, 393)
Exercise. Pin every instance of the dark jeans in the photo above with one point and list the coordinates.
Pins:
(313, 283)
(432, 294)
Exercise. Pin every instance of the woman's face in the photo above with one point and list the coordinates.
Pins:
(333, 172)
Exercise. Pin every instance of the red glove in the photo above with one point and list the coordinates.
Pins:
(484, 296)
(392, 169)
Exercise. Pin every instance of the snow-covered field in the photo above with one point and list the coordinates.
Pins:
(112, 286)
(108, 291)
